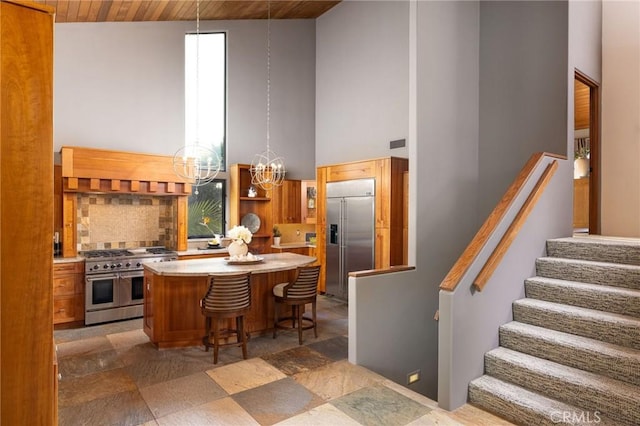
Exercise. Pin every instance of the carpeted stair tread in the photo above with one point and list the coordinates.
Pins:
(612, 328)
(587, 354)
(603, 249)
(617, 400)
(618, 300)
(588, 271)
(523, 407)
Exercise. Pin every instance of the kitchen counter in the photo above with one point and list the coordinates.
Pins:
(285, 246)
(68, 259)
(173, 290)
(198, 267)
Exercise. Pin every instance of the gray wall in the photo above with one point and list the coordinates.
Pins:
(523, 89)
(447, 149)
(362, 73)
(121, 86)
(491, 89)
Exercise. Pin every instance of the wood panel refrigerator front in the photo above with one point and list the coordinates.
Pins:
(26, 215)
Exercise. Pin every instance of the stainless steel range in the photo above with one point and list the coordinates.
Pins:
(115, 282)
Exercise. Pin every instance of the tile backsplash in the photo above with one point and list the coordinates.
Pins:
(108, 221)
(295, 232)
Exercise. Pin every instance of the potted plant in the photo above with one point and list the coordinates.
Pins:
(276, 236)
(581, 158)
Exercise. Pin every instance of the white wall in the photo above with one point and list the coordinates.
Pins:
(620, 198)
(362, 80)
(585, 40)
(120, 85)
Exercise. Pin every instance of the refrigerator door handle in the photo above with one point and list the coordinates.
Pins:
(342, 284)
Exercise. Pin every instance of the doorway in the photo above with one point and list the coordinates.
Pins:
(586, 182)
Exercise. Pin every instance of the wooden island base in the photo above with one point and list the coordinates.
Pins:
(173, 290)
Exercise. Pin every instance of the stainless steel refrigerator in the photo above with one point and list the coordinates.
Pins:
(350, 232)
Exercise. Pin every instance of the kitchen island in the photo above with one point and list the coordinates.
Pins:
(173, 290)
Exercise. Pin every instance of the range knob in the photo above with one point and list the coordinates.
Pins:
(119, 265)
(96, 267)
(113, 265)
(128, 264)
(106, 266)
(138, 265)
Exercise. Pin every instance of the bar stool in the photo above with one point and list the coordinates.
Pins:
(301, 291)
(228, 296)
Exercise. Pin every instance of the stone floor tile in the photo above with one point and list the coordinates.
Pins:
(297, 360)
(77, 390)
(277, 401)
(243, 375)
(335, 348)
(124, 408)
(81, 365)
(379, 405)
(180, 394)
(323, 415)
(337, 379)
(221, 412)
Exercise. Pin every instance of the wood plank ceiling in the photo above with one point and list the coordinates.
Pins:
(183, 10)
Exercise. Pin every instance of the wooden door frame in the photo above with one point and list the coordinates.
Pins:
(594, 149)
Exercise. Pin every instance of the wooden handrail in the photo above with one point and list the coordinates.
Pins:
(465, 260)
(504, 244)
(389, 270)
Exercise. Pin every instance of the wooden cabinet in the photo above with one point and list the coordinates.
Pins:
(26, 224)
(240, 204)
(68, 292)
(308, 203)
(286, 204)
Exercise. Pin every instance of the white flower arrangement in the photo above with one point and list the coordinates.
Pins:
(240, 233)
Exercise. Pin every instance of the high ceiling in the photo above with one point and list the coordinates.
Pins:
(183, 10)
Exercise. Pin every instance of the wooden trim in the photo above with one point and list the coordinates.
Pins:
(390, 270)
(463, 263)
(38, 7)
(504, 244)
(594, 150)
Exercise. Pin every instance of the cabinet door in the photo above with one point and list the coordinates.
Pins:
(286, 202)
(308, 200)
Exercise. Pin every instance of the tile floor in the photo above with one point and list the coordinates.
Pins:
(113, 375)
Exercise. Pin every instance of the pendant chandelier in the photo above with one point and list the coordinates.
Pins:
(267, 168)
(196, 163)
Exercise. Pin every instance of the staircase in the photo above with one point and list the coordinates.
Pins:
(571, 355)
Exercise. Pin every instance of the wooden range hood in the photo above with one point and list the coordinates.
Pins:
(98, 170)
(89, 170)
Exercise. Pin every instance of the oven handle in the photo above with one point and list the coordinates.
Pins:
(97, 277)
(136, 274)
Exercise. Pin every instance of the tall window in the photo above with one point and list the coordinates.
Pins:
(205, 123)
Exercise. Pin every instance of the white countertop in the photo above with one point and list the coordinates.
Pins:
(271, 263)
(68, 259)
(293, 245)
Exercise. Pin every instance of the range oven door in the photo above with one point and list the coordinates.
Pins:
(131, 288)
(101, 292)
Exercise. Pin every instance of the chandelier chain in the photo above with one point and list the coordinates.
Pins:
(197, 141)
(268, 72)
